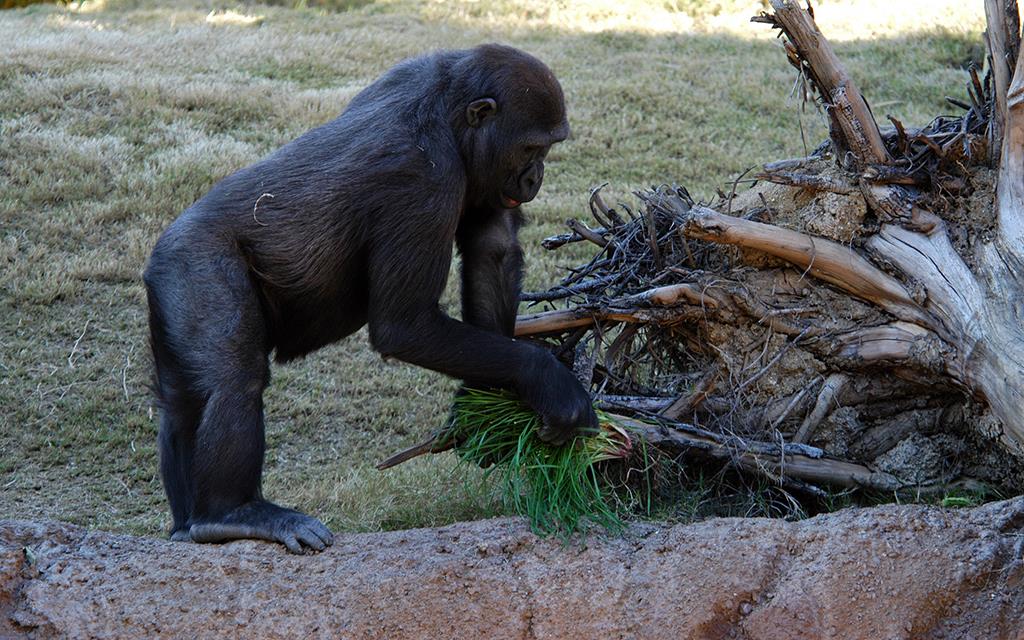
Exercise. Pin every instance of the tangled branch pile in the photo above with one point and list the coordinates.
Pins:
(852, 319)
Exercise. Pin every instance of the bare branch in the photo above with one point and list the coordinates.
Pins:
(824, 259)
(586, 233)
(833, 386)
(625, 310)
(844, 103)
(809, 181)
(768, 460)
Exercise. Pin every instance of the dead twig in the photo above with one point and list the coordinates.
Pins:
(832, 388)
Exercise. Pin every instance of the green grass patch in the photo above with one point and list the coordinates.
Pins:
(557, 487)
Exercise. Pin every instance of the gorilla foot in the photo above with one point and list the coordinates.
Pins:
(263, 520)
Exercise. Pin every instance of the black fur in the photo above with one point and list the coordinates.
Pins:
(353, 223)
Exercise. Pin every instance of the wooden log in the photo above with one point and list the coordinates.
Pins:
(997, 369)
(807, 464)
(1002, 36)
(1009, 203)
(824, 259)
(551, 321)
(625, 310)
(845, 104)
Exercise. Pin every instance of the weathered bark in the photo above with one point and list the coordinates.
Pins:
(824, 259)
(636, 308)
(996, 364)
(1003, 39)
(799, 462)
(826, 401)
(853, 128)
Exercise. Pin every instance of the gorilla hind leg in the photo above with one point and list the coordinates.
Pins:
(177, 426)
(180, 413)
(210, 378)
(227, 465)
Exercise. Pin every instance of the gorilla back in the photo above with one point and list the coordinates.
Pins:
(353, 223)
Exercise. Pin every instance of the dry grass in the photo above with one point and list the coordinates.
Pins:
(116, 116)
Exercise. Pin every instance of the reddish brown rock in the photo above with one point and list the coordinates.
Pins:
(887, 572)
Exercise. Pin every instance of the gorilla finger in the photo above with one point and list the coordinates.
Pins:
(546, 434)
(306, 537)
(323, 532)
(293, 544)
(553, 436)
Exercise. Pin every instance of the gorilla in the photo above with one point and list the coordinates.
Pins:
(353, 224)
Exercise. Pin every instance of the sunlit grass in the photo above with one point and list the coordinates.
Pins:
(841, 20)
(233, 18)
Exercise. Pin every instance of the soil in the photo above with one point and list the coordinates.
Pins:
(884, 572)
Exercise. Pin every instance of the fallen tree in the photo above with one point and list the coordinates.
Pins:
(854, 318)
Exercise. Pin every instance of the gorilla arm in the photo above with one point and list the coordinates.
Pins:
(407, 272)
(492, 265)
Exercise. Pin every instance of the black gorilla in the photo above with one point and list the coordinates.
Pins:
(353, 223)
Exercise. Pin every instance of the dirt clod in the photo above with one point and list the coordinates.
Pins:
(919, 458)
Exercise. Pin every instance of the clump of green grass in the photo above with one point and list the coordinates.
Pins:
(558, 488)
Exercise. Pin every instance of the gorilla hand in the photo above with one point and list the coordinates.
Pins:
(565, 407)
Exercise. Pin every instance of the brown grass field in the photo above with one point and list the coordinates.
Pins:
(115, 116)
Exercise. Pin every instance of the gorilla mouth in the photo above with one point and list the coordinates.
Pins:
(508, 202)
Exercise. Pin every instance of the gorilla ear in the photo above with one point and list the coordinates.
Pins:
(480, 109)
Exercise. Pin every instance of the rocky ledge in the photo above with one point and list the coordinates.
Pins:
(885, 572)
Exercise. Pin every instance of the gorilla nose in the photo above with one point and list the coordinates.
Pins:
(529, 185)
(528, 181)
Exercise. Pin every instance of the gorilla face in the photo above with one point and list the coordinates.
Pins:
(526, 172)
(512, 128)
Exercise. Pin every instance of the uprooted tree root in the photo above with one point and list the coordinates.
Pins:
(851, 320)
